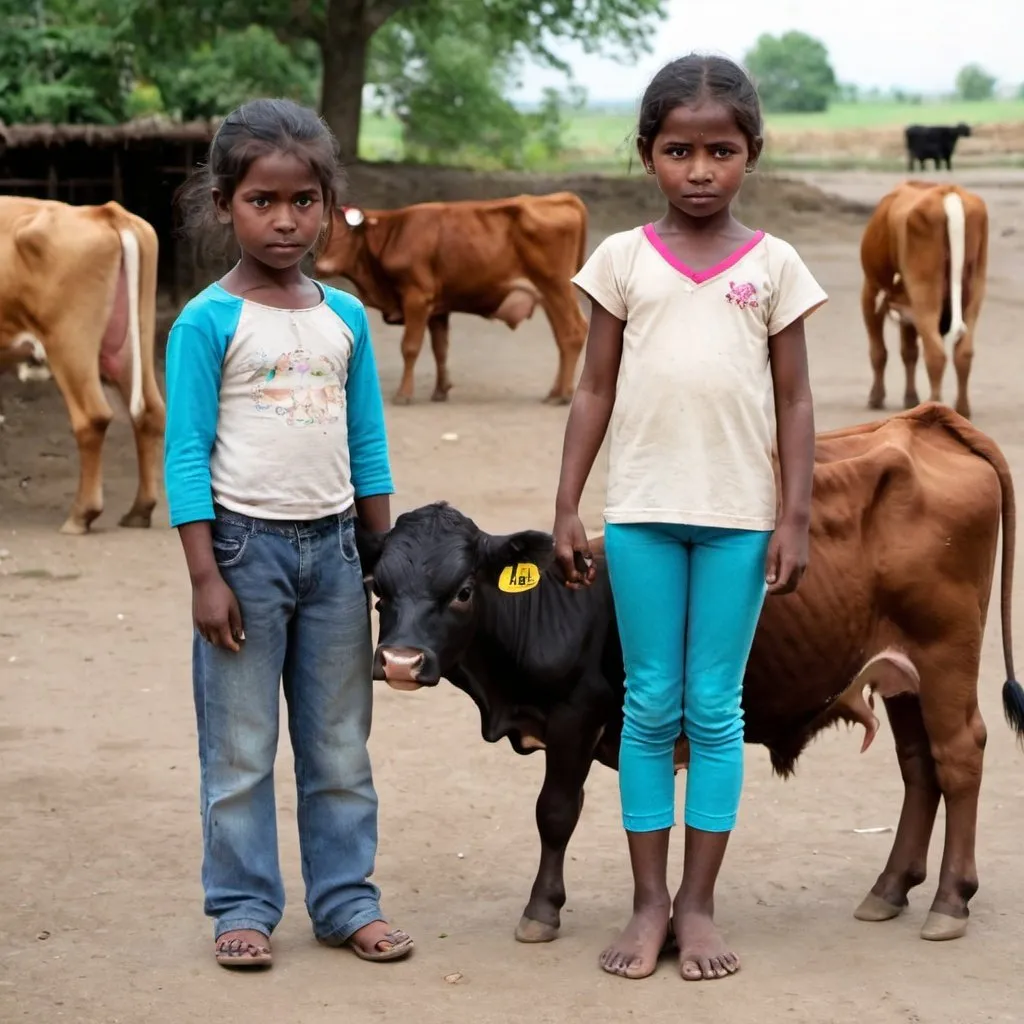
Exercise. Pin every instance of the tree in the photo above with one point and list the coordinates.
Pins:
(56, 65)
(792, 72)
(974, 83)
(343, 30)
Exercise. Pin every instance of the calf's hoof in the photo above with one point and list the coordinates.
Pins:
(940, 927)
(529, 930)
(874, 908)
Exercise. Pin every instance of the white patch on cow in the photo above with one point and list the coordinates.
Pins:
(880, 299)
(956, 229)
(130, 251)
(532, 743)
(33, 365)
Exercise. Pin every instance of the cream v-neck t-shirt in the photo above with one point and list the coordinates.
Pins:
(693, 426)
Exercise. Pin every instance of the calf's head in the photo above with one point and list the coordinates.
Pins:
(427, 573)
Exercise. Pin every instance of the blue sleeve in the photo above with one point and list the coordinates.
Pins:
(369, 462)
(195, 352)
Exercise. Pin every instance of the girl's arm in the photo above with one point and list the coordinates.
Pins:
(192, 382)
(584, 432)
(367, 437)
(794, 414)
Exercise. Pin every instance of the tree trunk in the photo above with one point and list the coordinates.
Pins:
(345, 49)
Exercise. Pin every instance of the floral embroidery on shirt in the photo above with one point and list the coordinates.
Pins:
(743, 295)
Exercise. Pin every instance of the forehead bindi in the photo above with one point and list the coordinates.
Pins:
(705, 121)
(280, 173)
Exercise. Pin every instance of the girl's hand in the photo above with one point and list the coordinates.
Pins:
(787, 557)
(572, 551)
(216, 614)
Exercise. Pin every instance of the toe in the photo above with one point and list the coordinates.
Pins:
(691, 970)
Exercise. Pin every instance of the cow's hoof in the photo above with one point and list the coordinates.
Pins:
(400, 399)
(529, 930)
(439, 395)
(876, 401)
(136, 520)
(940, 927)
(910, 401)
(76, 527)
(874, 908)
(557, 399)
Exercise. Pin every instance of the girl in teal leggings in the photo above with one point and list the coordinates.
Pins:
(696, 332)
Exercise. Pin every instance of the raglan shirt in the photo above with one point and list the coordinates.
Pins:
(272, 413)
(693, 425)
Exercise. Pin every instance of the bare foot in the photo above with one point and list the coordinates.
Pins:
(703, 954)
(634, 954)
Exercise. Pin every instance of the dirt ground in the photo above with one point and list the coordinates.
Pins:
(100, 910)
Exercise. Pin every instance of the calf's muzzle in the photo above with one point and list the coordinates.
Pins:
(404, 668)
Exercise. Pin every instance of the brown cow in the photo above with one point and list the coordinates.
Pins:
(924, 254)
(78, 289)
(496, 259)
(899, 611)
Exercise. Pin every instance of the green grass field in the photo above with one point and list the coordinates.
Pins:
(599, 141)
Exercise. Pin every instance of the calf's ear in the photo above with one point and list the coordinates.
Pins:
(369, 545)
(527, 546)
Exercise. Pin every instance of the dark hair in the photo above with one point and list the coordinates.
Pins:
(694, 77)
(250, 131)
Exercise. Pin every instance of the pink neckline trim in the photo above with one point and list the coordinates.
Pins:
(698, 276)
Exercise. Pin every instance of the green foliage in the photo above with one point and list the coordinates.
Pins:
(974, 83)
(57, 72)
(792, 72)
(234, 67)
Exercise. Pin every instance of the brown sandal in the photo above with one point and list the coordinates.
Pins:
(232, 951)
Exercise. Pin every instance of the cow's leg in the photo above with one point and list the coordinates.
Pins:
(908, 860)
(90, 413)
(571, 736)
(957, 733)
(569, 327)
(148, 428)
(416, 314)
(909, 350)
(963, 356)
(874, 322)
(439, 343)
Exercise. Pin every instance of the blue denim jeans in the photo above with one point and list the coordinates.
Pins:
(306, 621)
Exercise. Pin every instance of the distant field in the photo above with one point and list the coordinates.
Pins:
(603, 141)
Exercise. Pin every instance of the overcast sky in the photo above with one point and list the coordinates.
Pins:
(913, 44)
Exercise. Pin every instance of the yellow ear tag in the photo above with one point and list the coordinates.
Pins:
(517, 579)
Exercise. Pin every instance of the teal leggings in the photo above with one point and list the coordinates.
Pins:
(687, 601)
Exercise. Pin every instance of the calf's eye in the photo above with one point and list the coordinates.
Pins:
(463, 596)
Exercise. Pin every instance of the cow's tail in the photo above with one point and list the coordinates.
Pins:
(987, 449)
(956, 229)
(130, 255)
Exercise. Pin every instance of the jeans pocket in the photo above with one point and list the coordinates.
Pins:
(229, 543)
(347, 540)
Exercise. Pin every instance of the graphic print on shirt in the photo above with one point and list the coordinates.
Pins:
(303, 390)
(743, 295)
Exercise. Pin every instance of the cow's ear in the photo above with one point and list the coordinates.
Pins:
(498, 553)
(369, 544)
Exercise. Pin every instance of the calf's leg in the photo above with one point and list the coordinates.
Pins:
(908, 859)
(439, 343)
(571, 738)
(957, 733)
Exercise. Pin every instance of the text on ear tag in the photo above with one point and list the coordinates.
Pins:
(518, 578)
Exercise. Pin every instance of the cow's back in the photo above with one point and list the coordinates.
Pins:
(904, 525)
(50, 251)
